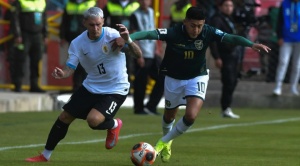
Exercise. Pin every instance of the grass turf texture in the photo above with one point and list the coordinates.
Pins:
(261, 137)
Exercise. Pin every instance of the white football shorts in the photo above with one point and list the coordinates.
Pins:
(176, 91)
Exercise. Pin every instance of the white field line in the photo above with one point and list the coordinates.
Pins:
(145, 134)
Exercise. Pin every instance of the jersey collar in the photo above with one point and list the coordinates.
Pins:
(102, 34)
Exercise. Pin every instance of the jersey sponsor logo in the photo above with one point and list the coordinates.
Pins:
(219, 32)
(163, 31)
(179, 45)
(198, 44)
(105, 49)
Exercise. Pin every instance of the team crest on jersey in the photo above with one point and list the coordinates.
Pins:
(105, 49)
(199, 44)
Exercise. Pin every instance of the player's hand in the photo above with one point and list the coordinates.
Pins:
(58, 73)
(117, 44)
(258, 47)
(123, 31)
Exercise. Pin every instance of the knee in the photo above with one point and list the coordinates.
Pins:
(93, 122)
(66, 117)
(168, 118)
(190, 118)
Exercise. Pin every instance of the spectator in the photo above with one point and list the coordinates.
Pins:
(147, 65)
(289, 41)
(28, 25)
(56, 5)
(244, 17)
(209, 6)
(119, 11)
(267, 27)
(71, 26)
(226, 56)
(273, 43)
(178, 10)
(116, 12)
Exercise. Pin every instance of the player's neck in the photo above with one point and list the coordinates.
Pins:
(95, 38)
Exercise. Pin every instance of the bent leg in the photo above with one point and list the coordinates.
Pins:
(59, 130)
(163, 146)
(97, 121)
(102, 118)
(193, 107)
(168, 120)
(57, 133)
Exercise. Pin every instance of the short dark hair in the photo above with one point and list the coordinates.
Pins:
(221, 2)
(195, 13)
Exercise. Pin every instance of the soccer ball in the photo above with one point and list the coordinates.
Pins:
(142, 154)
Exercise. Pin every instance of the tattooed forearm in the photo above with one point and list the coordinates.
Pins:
(135, 50)
(67, 72)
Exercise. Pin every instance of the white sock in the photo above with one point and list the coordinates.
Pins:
(176, 131)
(47, 153)
(115, 125)
(167, 127)
(278, 85)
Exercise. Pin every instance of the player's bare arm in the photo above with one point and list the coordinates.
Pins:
(62, 73)
(239, 40)
(133, 47)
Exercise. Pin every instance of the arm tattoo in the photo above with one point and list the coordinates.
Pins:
(135, 50)
(67, 71)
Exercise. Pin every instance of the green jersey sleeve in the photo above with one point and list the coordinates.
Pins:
(143, 35)
(237, 40)
(214, 34)
(164, 33)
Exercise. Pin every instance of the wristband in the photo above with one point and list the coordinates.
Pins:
(129, 40)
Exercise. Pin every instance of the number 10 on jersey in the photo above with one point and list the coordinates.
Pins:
(188, 54)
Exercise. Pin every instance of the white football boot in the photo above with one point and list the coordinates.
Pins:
(229, 114)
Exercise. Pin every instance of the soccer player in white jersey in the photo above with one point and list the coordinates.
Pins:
(105, 88)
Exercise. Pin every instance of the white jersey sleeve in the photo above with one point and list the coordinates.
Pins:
(106, 69)
(73, 60)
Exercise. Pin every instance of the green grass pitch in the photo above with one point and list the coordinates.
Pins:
(262, 137)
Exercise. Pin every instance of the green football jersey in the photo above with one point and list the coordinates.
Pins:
(185, 57)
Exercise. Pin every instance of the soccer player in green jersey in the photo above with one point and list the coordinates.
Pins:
(184, 65)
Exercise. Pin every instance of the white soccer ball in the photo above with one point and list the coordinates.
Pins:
(142, 154)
